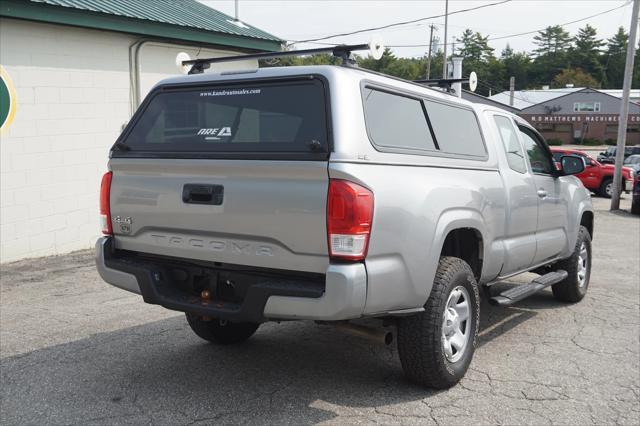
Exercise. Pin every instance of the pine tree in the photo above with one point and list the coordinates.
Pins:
(552, 40)
(516, 65)
(585, 53)
(614, 58)
(475, 47)
(478, 56)
(551, 56)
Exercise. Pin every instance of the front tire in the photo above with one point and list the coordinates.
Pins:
(436, 346)
(221, 331)
(573, 288)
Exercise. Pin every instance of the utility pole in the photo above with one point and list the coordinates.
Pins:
(446, 23)
(429, 56)
(457, 73)
(512, 89)
(624, 107)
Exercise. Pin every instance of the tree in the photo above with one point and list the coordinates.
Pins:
(378, 65)
(475, 47)
(552, 40)
(517, 65)
(478, 56)
(614, 58)
(585, 52)
(407, 68)
(551, 54)
(575, 76)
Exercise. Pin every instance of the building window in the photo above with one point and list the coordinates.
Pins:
(586, 107)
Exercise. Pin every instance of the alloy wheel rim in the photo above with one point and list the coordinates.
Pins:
(609, 188)
(456, 324)
(583, 265)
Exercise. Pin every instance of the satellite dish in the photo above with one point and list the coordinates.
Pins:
(181, 57)
(376, 48)
(473, 81)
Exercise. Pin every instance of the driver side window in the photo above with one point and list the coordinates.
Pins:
(539, 159)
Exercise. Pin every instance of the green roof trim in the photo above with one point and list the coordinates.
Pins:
(180, 20)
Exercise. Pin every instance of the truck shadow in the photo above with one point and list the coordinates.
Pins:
(293, 372)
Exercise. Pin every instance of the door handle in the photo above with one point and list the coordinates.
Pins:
(194, 193)
(542, 193)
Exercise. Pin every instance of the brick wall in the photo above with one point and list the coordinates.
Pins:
(72, 89)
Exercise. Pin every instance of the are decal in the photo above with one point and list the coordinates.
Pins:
(214, 133)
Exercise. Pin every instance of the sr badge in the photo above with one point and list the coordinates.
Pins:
(124, 224)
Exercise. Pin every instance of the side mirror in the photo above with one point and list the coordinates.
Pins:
(572, 164)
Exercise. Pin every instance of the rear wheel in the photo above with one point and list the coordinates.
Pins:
(436, 346)
(606, 188)
(578, 266)
(221, 331)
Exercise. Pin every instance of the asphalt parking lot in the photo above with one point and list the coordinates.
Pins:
(77, 351)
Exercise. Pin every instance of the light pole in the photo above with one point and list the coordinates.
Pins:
(446, 19)
(624, 108)
(430, 45)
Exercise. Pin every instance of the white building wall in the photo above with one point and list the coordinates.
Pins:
(73, 96)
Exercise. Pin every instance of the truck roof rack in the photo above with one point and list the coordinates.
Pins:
(343, 51)
(442, 82)
(447, 83)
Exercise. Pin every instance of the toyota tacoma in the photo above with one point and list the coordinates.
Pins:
(336, 194)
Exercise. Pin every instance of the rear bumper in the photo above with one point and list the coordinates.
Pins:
(340, 296)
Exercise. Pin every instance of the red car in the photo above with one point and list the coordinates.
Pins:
(597, 177)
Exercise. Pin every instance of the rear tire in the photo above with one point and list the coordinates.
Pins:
(430, 350)
(573, 288)
(606, 188)
(221, 331)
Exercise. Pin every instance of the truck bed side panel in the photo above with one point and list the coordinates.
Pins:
(415, 208)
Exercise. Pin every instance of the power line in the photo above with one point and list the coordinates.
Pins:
(400, 23)
(530, 32)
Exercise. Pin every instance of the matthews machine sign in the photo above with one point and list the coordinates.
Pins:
(578, 118)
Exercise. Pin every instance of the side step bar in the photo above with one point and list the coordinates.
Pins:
(516, 294)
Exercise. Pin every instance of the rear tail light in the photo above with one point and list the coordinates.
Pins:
(105, 207)
(349, 219)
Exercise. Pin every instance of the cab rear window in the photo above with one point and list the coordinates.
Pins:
(268, 117)
(412, 125)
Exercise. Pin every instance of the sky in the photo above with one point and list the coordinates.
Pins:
(305, 19)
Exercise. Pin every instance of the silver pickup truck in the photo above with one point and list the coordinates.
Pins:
(334, 194)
